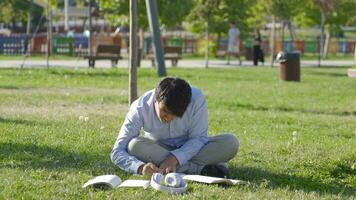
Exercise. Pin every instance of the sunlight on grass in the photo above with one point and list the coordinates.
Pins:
(57, 128)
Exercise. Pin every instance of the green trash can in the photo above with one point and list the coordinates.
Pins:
(310, 46)
(174, 42)
(63, 46)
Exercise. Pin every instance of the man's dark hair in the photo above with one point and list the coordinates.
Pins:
(175, 94)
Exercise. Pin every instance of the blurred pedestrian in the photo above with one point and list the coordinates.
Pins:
(257, 50)
(70, 32)
(233, 42)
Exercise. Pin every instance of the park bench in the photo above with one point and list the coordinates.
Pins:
(170, 53)
(221, 51)
(105, 52)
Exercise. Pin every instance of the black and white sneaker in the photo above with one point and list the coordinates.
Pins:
(215, 170)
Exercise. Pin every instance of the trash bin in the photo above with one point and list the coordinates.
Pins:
(289, 66)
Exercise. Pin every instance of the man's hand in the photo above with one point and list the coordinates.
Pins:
(169, 164)
(148, 169)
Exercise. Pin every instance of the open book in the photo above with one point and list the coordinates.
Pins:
(113, 181)
(211, 180)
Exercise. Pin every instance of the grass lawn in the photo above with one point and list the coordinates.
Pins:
(297, 139)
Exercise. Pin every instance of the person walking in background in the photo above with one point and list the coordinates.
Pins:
(257, 51)
(233, 42)
(70, 32)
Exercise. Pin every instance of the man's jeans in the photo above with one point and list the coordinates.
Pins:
(219, 149)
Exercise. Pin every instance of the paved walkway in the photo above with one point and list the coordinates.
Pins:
(191, 63)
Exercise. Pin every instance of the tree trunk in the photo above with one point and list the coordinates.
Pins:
(218, 41)
(13, 25)
(355, 55)
(272, 40)
(84, 23)
(321, 42)
(283, 26)
(48, 33)
(207, 44)
(133, 52)
(291, 34)
(326, 44)
(28, 28)
(141, 43)
(66, 18)
(90, 27)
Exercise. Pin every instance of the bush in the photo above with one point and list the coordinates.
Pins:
(212, 48)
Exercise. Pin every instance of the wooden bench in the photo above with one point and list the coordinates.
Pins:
(105, 52)
(170, 53)
(221, 51)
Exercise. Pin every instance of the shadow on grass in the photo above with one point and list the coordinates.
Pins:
(326, 73)
(98, 73)
(32, 156)
(21, 121)
(285, 109)
(329, 67)
(292, 182)
(8, 87)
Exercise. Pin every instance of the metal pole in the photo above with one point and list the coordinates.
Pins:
(90, 30)
(272, 40)
(152, 13)
(133, 52)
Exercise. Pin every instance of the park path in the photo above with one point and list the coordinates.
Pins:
(186, 63)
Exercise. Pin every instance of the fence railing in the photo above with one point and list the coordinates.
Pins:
(79, 44)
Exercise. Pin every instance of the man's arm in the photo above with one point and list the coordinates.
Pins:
(198, 132)
(129, 130)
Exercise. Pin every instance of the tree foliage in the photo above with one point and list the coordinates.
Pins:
(13, 10)
(171, 12)
(219, 13)
(338, 13)
(304, 13)
(262, 10)
(17, 11)
(194, 13)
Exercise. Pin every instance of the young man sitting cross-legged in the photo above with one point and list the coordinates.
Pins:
(174, 119)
